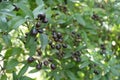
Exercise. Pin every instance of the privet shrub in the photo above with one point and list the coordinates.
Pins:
(61, 39)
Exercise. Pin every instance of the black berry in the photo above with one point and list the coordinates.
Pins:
(64, 45)
(38, 24)
(54, 36)
(41, 16)
(78, 53)
(95, 17)
(96, 72)
(33, 32)
(50, 42)
(59, 35)
(15, 8)
(56, 39)
(53, 67)
(39, 66)
(50, 59)
(60, 40)
(40, 30)
(78, 59)
(39, 52)
(46, 63)
(102, 46)
(45, 20)
(58, 46)
(30, 59)
(52, 46)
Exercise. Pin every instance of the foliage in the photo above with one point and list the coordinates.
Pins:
(62, 39)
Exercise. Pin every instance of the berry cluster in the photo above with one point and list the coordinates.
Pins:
(103, 49)
(40, 64)
(76, 56)
(57, 43)
(76, 37)
(40, 19)
(95, 17)
(95, 71)
(16, 8)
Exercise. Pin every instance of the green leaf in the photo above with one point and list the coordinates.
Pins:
(44, 41)
(56, 76)
(25, 9)
(1, 46)
(84, 64)
(7, 13)
(71, 75)
(3, 25)
(33, 49)
(97, 77)
(79, 19)
(14, 76)
(67, 55)
(4, 5)
(39, 2)
(31, 44)
(84, 36)
(23, 70)
(115, 71)
(7, 40)
(38, 10)
(33, 71)
(12, 52)
(11, 64)
(68, 65)
(25, 78)
(4, 77)
(16, 51)
(16, 22)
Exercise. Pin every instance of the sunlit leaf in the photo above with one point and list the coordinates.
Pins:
(44, 41)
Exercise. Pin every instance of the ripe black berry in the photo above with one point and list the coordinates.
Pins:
(59, 35)
(41, 16)
(60, 40)
(15, 8)
(54, 36)
(39, 66)
(45, 63)
(95, 17)
(58, 46)
(50, 42)
(53, 67)
(78, 36)
(39, 52)
(38, 24)
(56, 39)
(33, 32)
(78, 53)
(50, 59)
(53, 32)
(102, 52)
(45, 20)
(78, 59)
(52, 46)
(40, 30)
(73, 32)
(64, 45)
(102, 46)
(96, 72)
(30, 59)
